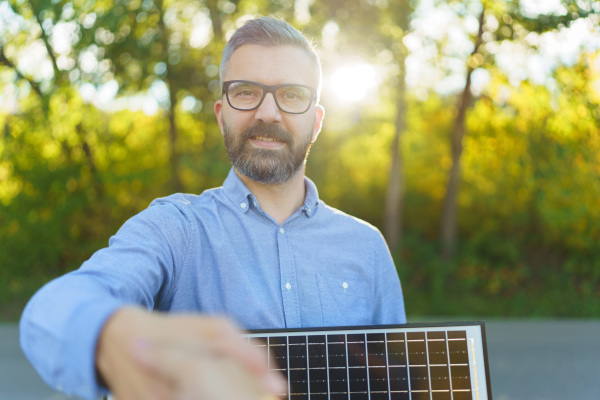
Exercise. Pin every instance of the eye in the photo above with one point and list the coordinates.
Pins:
(290, 94)
(245, 90)
(293, 94)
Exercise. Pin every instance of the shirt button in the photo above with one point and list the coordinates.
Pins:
(243, 205)
(281, 230)
(288, 286)
(345, 285)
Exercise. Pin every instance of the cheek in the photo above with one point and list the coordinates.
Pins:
(235, 119)
(305, 129)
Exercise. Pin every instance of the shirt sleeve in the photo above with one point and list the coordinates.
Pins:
(389, 300)
(60, 325)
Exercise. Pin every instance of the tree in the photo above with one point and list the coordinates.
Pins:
(369, 29)
(394, 199)
(511, 24)
(448, 223)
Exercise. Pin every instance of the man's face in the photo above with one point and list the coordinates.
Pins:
(266, 144)
(260, 163)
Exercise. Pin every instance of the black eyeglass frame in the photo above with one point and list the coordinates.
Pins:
(269, 89)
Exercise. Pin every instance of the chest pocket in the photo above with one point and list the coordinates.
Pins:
(345, 300)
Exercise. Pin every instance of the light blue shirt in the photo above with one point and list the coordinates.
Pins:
(216, 253)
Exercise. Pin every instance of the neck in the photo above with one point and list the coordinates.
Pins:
(279, 201)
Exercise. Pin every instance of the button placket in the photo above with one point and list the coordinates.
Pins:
(287, 267)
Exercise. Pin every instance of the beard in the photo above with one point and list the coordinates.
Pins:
(267, 166)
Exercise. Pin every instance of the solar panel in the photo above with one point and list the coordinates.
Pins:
(442, 361)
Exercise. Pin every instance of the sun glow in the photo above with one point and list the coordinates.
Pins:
(352, 83)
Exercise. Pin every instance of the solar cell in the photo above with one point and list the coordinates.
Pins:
(393, 362)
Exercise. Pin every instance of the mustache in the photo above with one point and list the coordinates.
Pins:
(269, 131)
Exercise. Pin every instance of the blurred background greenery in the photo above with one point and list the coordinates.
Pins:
(467, 131)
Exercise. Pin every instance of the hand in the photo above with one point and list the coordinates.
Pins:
(181, 357)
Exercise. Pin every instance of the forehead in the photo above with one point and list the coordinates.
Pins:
(272, 65)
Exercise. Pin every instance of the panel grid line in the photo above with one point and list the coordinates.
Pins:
(347, 366)
(307, 367)
(327, 360)
(385, 364)
(428, 364)
(367, 362)
(289, 374)
(449, 369)
(408, 367)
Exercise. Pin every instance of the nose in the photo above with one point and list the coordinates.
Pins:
(268, 110)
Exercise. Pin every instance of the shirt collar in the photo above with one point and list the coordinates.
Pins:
(241, 197)
(237, 192)
(311, 201)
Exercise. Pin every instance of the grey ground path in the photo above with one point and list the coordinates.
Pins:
(532, 360)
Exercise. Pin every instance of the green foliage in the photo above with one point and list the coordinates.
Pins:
(528, 202)
(529, 230)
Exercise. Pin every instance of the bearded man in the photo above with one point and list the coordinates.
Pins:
(260, 252)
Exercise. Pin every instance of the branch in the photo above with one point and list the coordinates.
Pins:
(46, 43)
(216, 21)
(4, 60)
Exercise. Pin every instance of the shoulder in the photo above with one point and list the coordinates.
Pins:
(341, 221)
(186, 200)
(175, 212)
(185, 203)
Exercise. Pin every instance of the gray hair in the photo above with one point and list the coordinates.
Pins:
(269, 31)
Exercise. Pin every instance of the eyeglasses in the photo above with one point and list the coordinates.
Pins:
(248, 95)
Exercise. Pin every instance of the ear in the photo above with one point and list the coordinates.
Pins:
(319, 115)
(219, 114)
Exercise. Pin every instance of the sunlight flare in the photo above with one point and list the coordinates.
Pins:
(352, 83)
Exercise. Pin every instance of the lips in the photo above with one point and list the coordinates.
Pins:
(265, 139)
(267, 133)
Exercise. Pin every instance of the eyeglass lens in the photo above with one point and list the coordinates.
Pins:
(290, 98)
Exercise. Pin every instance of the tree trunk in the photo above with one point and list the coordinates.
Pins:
(215, 19)
(174, 156)
(394, 199)
(392, 222)
(89, 158)
(448, 229)
(449, 211)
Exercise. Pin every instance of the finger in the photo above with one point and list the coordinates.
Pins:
(199, 374)
(222, 378)
(228, 341)
(141, 384)
(185, 365)
(165, 359)
(221, 336)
